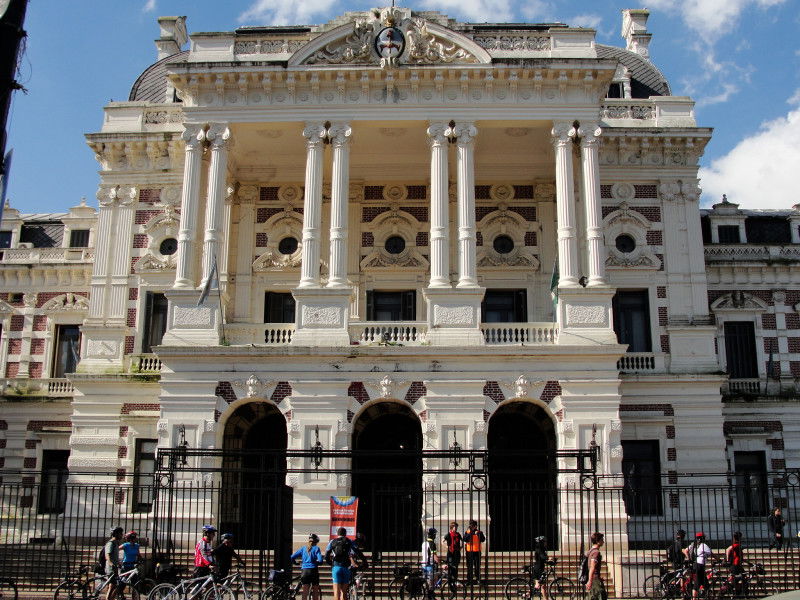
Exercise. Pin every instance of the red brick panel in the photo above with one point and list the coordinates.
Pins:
(40, 323)
(368, 213)
(261, 240)
(492, 389)
(367, 239)
(523, 191)
(282, 390)
(661, 291)
(225, 391)
(478, 238)
(31, 444)
(482, 211)
(17, 322)
(133, 293)
(29, 462)
(776, 443)
(140, 240)
(417, 192)
(267, 194)
(129, 342)
(358, 391)
(666, 409)
(794, 344)
(12, 369)
(771, 344)
(37, 346)
(36, 369)
(15, 345)
(483, 192)
(665, 343)
(776, 368)
(792, 321)
(526, 212)
(123, 431)
(654, 238)
(149, 195)
(373, 192)
(662, 316)
(672, 454)
(645, 191)
(415, 392)
(39, 425)
(794, 368)
(550, 391)
(530, 238)
(43, 298)
(134, 260)
(670, 430)
(422, 239)
(768, 322)
(129, 407)
(122, 452)
(143, 216)
(131, 320)
(420, 213)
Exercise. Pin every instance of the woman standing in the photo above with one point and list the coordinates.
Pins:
(311, 560)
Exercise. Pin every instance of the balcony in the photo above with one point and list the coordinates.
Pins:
(657, 111)
(46, 255)
(391, 333)
(519, 334)
(737, 253)
(23, 386)
(750, 387)
(144, 363)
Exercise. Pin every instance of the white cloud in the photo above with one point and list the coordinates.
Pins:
(728, 90)
(286, 12)
(710, 18)
(476, 11)
(761, 170)
(795, 99)
(149, 6)
(586, 20)
(539, 11)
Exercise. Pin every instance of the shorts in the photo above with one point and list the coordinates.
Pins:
(340, 574)
(309, 577)
(111, 569)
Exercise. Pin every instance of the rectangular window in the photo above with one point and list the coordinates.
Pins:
(728, 234)
(143, 477)
(632, 320)
(155, 320)
(505, 306)
(79, 238)
(53, 493)
(42, 235)
(740, 349)
(68, 350)
(751, 483)
(391, 306)
(5, 239)
(278, 307)
(641, 469)
(615, 90)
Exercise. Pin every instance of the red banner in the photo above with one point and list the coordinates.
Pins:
(344, 510)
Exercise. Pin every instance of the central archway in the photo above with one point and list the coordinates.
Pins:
(256, 504)
(522, 476)
(387, 476)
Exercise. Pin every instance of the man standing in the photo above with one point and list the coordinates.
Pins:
(594, 583)
(675, 554)
(339, 553)
(203, 552)
(453, 541)
(224, 553)
(699, 553)
(473, 539)
(775, 522)
(111, 553)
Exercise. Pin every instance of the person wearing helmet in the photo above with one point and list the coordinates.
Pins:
(699, 553)
(203, 552)
(111, 555)
(430, 558)
(311, 559)
(539, 564)
(130, 551)
(224, 555)
(675, 550)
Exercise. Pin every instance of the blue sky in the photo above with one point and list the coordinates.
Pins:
(739, 60)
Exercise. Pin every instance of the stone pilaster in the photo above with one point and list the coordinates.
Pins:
(464, 134)
(565, 202)
(193, 136)
(596, 259)
(439, 237)
(245, 238)
(339, 134)
(218, 136)
(315, 134)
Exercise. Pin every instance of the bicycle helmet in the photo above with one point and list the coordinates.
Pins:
(209, 529)
(680, 533)
(226, 536)
(540, 539)
(432, 532)
(700, 535)
(131, 535)
(313, 537)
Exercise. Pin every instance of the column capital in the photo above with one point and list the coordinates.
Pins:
(193, 135)
(315, 134)
(464, 133)
(589, 134)
(563, 132)
(340, 133)
(438, 132)
(219, 135)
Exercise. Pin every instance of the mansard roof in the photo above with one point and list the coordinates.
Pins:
(646, 79)
(151, 85)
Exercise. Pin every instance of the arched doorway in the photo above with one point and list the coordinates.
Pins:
(522, 476)
(256, 504)
(387, 476)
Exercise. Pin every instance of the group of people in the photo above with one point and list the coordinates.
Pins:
(343, 554)
(452, 543)
(118, 555)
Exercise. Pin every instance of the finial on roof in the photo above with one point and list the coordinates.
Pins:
(83, 201)
(725, 199)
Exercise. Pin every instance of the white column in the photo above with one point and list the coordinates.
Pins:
(563, 133)
(218, 136)
(595, 247)
(440, 237)
(193, 136)
(312, 205)
(465, 168)
(339, 135)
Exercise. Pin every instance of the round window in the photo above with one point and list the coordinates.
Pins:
(287, 245)
(625, 243)
(168, 247)
(395, 244)
(503, 244)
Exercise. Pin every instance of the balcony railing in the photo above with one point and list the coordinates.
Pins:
(751, 252)
(389, 332)
(145, 363)
(742, 386)
(46, 255)
(519, 333)
(278, 334)
(60, 387)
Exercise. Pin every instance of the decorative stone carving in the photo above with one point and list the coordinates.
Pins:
(253, 386)
(395, 193)
(271, 260)
(102, 348)
(322, 316)
(508, 223)
(171, 195)
(501, 192)
(293, 480)
(290, 194)
(616, 425)
(343, 427)
(545, 192)
(625, 221)
(162, 426)
(343, 481)
(481, 427)
(209, 426)
(586, 316)
(387, 387)
(65, 302)
(29, 300)
(431, 428)
(294, 428)
(567, 427)
(407, 259)
(623, 191)
(430, 481)
(739, 300)
(453, 316)
(151, 263)
(616, 451)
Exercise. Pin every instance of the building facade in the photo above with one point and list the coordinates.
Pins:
(424, 233)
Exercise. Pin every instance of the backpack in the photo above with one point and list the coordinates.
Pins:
(100, 564)
(340, 550)
(583, 570)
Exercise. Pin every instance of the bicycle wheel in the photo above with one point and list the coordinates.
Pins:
(651, 587)
(452, 591)
(273, 592)
(761, 588)
(416, 590)
(144, 587)
(162, 591)
(69, 590)
(394, 589)
(219, 592)
(518, 588)
(561, 588)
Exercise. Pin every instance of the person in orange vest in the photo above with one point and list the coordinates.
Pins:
(473, 538)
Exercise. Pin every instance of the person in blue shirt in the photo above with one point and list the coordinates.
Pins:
(339, 553)
(311, 557)
(130, 551)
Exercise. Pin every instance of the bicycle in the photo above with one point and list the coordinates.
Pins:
(280, 587)
(206, 587)
(522, 587)
(238, 584)
(361, 584)
(399, 574)
(447, 587)
(8, 589)
(83, 587)
(751, 583)
(673, 583)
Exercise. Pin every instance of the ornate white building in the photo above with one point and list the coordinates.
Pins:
(425, 232)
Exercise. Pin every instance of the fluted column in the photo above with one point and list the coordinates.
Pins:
(439, 237)
(312, 205)
(218, 136)
(339, 135)
(563, 133)
(193, 136)
(589, 134)
(464, 134)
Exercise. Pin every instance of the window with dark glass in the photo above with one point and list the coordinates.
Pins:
(632, 320)
(503, 244)
(625, 243)
(615, 90)
(5, 239)
(728, 234)
(68, 349)
(42, 235)
(391, 306)
(143, 475)
(740, 349)
(288, 245)
(168, 247)
(53, 493)
(752, 494)
(641, 469)
(395, 244)
(155, 320)
(278, 307)
(79, 238)
(504, 306)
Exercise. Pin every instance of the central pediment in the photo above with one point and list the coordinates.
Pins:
(390, 37)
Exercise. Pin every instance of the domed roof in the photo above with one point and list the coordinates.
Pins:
(151, 86)
(646, 79)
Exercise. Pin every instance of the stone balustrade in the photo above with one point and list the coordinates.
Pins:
(278, 334)
(519, 333)
(46, 255)
(750, 252)
(53, 387)
(145, 363)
